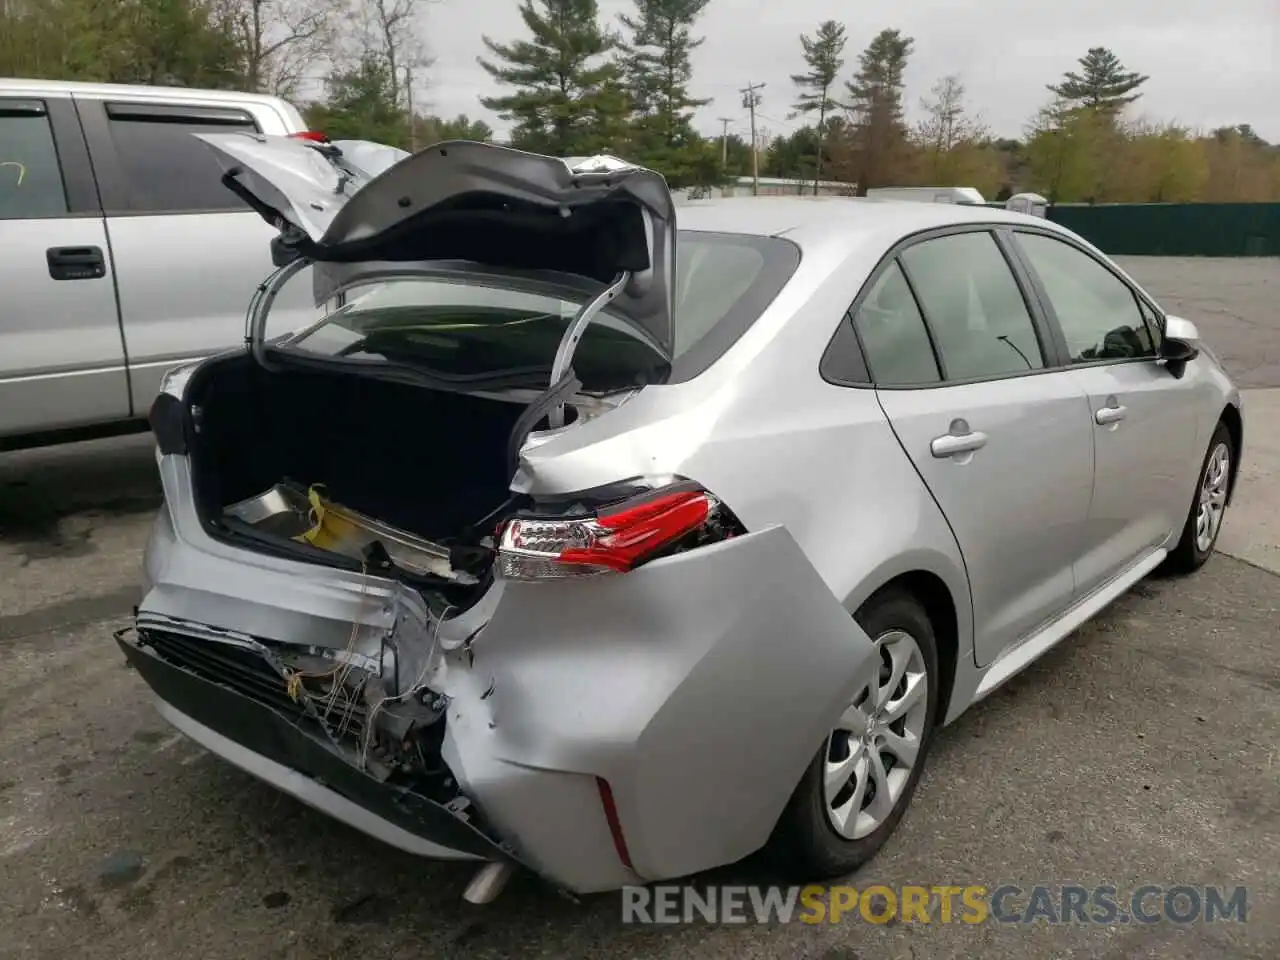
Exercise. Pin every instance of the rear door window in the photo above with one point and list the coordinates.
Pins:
(974, 307)
(166, 169)
(893, 333)
(30, 177)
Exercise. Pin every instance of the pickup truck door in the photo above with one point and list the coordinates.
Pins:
(189, 253)
(62, 362)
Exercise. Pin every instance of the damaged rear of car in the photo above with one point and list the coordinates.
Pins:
(412, 568)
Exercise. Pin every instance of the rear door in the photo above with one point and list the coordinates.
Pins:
(189, 253)
(61, 358)
(1143, 418)
(966, 374)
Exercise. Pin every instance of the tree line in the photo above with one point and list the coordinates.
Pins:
(571, 83)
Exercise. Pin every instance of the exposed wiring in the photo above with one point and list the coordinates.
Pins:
(417, 686)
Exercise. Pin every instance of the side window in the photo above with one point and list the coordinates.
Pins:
(166, 169)
(1097, 311)
(30, 177)
(893, 333)
(974, 307)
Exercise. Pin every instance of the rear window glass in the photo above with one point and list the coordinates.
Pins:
(723, 282)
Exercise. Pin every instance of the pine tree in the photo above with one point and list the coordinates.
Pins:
(657, 61)
(875, 103)
(361, 105)
(1103, 84)
(824, 55)
(568, 99)
(657, 69)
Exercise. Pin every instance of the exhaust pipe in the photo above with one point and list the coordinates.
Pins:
(488, 882)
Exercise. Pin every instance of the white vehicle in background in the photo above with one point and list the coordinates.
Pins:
(927, 194)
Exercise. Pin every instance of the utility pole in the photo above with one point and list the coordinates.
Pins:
(413, 121)
(751, 100)
(724, 142)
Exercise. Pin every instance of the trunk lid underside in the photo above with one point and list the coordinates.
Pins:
(360, 212)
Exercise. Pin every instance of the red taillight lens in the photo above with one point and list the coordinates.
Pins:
(615, 540)
(312, 135)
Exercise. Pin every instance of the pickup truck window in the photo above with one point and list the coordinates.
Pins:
(166, 169)
(30, 178)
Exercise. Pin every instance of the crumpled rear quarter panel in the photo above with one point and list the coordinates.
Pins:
(699, 686)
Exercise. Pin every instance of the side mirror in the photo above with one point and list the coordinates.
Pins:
(1181, 344)
(1179, 328)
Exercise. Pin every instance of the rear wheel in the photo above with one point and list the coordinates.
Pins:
(1208, 508)
(862, 779)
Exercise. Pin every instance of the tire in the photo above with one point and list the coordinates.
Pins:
(1191, 552)
(806, 841)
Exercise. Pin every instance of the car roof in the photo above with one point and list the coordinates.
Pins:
(819, 221)
(34, 87)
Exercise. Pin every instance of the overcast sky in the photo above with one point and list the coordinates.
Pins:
(1211, 62)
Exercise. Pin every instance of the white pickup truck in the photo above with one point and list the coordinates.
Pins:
(121, 252)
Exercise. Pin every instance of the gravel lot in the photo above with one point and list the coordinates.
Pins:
(1143, 750)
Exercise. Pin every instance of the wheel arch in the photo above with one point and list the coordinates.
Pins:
(934, 595)
(1235, 426)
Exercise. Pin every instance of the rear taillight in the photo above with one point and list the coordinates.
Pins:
(614, 539)
(313, 135)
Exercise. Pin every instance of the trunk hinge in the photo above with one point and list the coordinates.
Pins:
(260, 305)
(574, 332)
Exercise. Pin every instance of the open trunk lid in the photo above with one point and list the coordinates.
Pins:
(362, 212)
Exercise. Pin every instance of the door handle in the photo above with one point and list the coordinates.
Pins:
(1110, 414)
(952, 444)
(76, 263)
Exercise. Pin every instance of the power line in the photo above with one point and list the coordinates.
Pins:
(789, 124)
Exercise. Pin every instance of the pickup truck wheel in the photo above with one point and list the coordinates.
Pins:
(860, 782)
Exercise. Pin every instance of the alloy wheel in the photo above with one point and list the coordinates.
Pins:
(870, 754)
(1213, 497)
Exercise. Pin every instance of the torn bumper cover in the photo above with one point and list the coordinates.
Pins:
(274, 744)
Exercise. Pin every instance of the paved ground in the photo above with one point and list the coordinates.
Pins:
(1145, 749)
(1236, 304)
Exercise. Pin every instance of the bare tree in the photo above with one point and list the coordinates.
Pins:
(388, 30)
(281, 39)
(947, 123)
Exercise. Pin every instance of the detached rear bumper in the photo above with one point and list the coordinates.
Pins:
(276, 749)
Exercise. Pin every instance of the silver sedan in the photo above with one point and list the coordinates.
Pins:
(575, 539)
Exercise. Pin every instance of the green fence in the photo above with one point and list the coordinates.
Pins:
(1176, 229)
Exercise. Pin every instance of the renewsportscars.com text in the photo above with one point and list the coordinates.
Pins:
(937, 904)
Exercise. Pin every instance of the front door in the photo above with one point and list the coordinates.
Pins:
(1003, 443)
(1143, 418)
